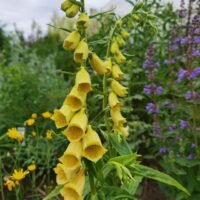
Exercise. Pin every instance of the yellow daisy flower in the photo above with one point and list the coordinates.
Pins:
(18, 175)
(46, 114)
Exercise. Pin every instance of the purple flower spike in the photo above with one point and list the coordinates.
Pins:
(184, 124)
(163, 150)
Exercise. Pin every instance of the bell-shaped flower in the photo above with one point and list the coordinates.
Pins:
(77, 126)
(59, 119)
(116, 72)
(71, 159)
(117, 117)
(113, 100)
(119, 57)
(74, 189)
(72, 11)
(83, 21)
(97, 64)
(81, 52)
(72, 40)
(83, 81)
(124, 131)
(108, 65)
(62, 174)
(118, 89)
(93, 149)
(120, 41)
(75, 99)
(114, 48)
(125, 34)
(66, 5)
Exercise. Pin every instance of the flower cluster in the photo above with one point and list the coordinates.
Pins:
(72, 116)
(14, 134)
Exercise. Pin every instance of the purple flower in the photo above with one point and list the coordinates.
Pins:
(147, 89)
(193, 145)
(159, 90)
(196, 40)
(197, 31)
(184, 124)
(182, 74)
(163, 150)
(196, 53)
(151, 108)
(169, 61)
(191, 95)
(184, 40)
(173, 105)
(152, 89)
(195, 73)
(190, 157)
(171, 127)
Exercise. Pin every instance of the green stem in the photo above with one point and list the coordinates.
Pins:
(92, 185)
(1, 180)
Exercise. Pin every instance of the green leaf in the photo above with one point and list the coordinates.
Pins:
(54, 192)
(126, 159)
(157, 175)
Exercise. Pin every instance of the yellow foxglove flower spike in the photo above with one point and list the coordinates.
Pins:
(74, 189)
(120, 41)
(93, 150)
(122, 130)
(97, 64)
(71, 158)
(59, 119)
(125, 34)
(119, 57)
(114, 48)
(116, 72)
(108, 65)
(72, 11)
(81, 52)
(117, 117)
(113, 100)
(72, 41)
(66, 5)
(83, 21)
(77, 126)
(75, 99)
(83, 81)
(118, 89)
(62, 174)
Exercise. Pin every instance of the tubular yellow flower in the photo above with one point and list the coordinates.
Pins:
(97, 64)
(116, 72)
(31, 167)
(72, 156)
(29, 122)
(66, 5)
(113, 100)
(122, 130)
(114, 48)
(34, 116)
(72, 11)
(49, 134)
(117, 117)
(118, 89)
(74, 189)
(120, 41)
(75, 99)
(108, 65)
(59, 119)
(119, 57)
(12, 133)
(18, 175)
(92, 148)
(9, 184)
(81, 52)
(83, 21)
(63, 175)
(72, 41)
(46, 114)
(83, 80)
(125, 34)
(77, 126)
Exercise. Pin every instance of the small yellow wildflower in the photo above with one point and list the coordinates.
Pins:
(18, 175)
(34, 116)
(46, 114)
(32, 167)
(20, 137)
(12, 133)
(29, 122)
(9, 184)
(49, 134)
(33, 133)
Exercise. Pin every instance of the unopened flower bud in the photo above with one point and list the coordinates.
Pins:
(66, 5)
(72, 11)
